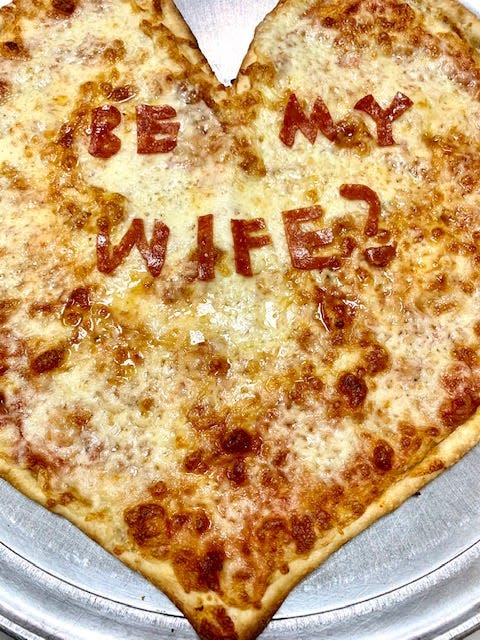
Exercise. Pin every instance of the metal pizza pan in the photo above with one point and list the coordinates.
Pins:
(414, 575)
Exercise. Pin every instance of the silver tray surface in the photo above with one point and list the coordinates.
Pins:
(414, 575)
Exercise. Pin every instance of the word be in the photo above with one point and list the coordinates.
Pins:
(156, 130)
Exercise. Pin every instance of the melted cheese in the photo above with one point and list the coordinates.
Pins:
(268, 409)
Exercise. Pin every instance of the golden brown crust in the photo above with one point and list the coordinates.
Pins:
(453, 13)
(458, 16)
(250, 623)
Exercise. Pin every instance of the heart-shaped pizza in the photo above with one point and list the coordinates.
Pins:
(238, 324)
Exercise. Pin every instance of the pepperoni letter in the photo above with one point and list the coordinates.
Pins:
(361, 192)
(153, 253)
(295, 119)
(207, 254)
(384, 117)
(103, 143)
(153, 121)
(302, 244)
(243, 241)
(380, 256)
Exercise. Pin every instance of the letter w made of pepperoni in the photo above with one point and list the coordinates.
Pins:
(153, 252)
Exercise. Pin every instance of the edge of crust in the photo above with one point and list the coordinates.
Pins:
(250, 623)
(459, 18)
(174, 21)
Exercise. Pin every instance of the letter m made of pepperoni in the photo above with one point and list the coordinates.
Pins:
(295, 119)
(153, 252)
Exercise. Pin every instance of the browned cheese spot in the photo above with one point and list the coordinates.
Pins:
(237, 441)
(64, 7)
(48, 360)
(147, 522)
(455, 411)
(303, 533)
(353, 388)
(383, 455)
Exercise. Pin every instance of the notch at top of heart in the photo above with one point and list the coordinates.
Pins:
(224, 30)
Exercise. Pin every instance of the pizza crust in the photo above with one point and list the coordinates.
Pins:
(461, 18)
(249, 624)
